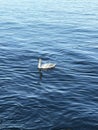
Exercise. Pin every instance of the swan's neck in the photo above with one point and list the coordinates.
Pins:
(39, 63)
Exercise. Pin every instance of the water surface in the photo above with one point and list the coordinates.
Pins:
(63, 32)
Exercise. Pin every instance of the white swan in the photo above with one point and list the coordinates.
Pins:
(45, 66)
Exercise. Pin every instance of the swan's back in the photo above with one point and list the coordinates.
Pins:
(45, 66)
(48, 66)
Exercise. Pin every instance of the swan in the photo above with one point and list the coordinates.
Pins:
(45, 66)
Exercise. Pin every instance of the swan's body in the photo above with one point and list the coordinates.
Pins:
(45, 66)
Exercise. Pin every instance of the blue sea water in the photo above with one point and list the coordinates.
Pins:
(64, 32)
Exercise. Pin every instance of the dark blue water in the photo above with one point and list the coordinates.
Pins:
(60, 31)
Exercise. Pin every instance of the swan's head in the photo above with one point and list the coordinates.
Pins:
(39, 59)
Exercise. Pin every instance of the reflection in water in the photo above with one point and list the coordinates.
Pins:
(40, 74)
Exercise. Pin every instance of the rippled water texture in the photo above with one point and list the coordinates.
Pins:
(64, 32)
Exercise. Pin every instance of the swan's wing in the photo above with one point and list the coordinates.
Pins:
(48, 65)
(51, 65)
(45, 66)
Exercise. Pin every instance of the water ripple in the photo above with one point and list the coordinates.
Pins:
(64, 98)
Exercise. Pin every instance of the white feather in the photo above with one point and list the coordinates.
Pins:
(45, 66)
